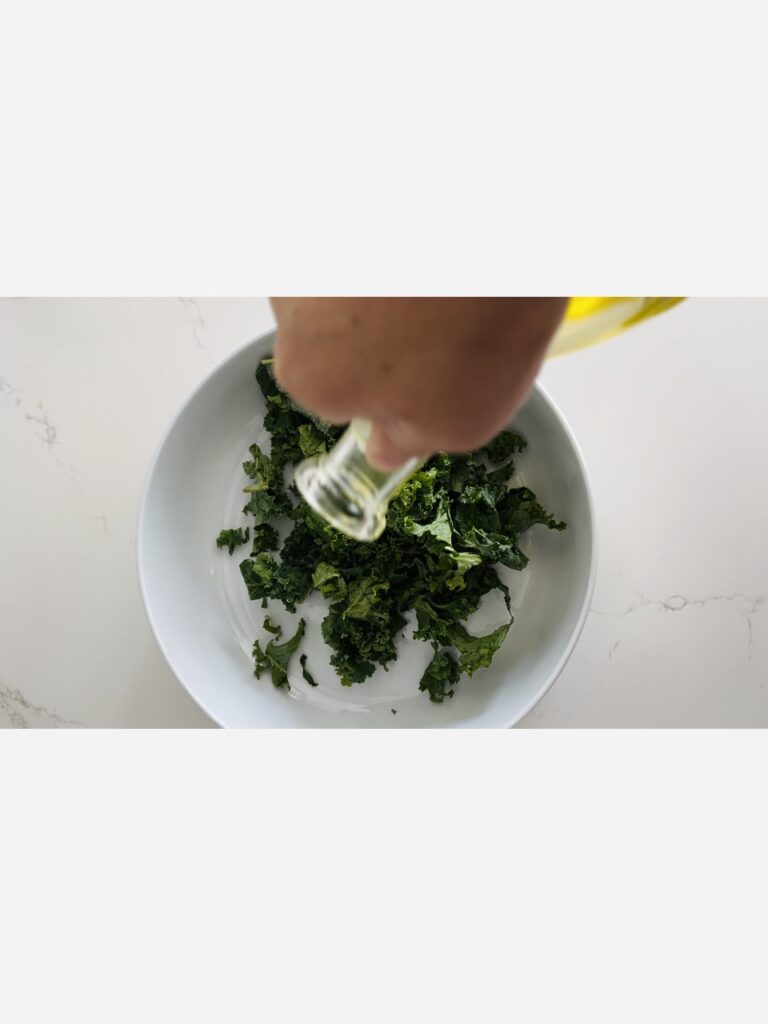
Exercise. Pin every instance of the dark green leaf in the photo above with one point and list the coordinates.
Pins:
(502, 446)
(291, 584)
(265, 538)
(440, 677)
(231, 539)
(305, 671)
(438, 528)
(475, 651)
(329, 581)
(264, 506)
(311, 441)
(258, 573)
(261, 470)
(276, 657)
(519, 511)
(363, 600)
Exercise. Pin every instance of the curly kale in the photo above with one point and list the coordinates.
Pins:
(448, 526)
(265, 538)
(275, 657)
(502, 446)
(231, 539)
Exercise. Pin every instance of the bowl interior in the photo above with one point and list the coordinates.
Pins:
(205, 624)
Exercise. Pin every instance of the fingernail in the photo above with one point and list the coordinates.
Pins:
(380, 451)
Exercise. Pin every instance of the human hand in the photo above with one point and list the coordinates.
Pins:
(432, 374)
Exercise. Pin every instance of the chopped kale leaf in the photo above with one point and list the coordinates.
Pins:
(231, 539)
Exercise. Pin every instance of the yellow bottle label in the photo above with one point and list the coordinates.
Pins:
(589, 320)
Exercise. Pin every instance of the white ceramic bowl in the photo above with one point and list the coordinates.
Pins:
(205, 625)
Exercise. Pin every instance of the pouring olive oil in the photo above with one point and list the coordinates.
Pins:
(353, 495)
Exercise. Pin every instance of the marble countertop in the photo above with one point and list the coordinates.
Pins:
(671, 416)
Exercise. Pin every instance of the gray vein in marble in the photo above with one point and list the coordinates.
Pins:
(677, 602)
(613, 650)
(6, 388)
(71, 474)
(747, 606)
(50, 433)
(39, 418)
(17, 709)
(102, 521)
(198, 322)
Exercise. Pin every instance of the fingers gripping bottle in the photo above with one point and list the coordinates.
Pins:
(353, 495)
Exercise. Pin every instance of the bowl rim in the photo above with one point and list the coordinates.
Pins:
(141, 518)
(537, 388)
(586, 603)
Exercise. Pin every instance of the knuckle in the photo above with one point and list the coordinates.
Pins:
(453, 434)
(312, 384)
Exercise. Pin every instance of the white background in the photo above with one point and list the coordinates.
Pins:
(672, 422)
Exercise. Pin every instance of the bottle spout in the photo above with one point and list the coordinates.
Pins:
(346, 490)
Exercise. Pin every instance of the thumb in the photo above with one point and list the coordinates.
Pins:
(392, 444)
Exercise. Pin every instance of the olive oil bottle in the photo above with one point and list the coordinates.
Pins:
(350, 493)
